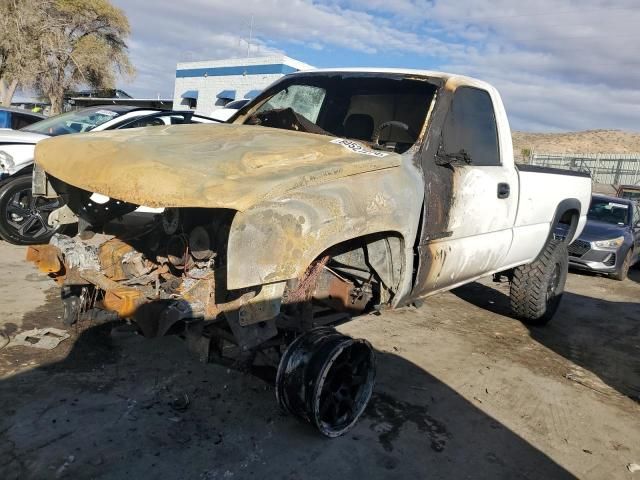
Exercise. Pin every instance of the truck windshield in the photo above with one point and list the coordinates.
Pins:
(384, 111)
(615, 213)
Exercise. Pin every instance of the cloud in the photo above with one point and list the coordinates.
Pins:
(559, 65)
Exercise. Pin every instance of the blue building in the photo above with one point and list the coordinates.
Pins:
(207, 86)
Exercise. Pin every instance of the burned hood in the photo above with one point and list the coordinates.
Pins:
(209, 166)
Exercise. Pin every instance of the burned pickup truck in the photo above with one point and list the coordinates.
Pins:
(332, 194)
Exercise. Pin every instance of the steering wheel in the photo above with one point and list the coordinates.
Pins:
(392, 123)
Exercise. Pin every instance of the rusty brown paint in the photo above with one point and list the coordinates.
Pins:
(209, 166)
(45, 257)
(110, 255)
(278, 240)
(123, 300)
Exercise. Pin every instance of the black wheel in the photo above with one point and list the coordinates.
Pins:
(537, 288)
(326, 379)
(623, 271)
(23, 218)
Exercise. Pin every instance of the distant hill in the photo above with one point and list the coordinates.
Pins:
(588, 141)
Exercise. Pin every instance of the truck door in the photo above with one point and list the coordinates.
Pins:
(471, 193)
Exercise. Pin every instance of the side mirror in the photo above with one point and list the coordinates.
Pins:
(451, 159)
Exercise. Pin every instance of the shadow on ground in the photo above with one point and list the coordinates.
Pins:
(598, 335)
(116, 408)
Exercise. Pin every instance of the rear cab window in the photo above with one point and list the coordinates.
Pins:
(470, 127)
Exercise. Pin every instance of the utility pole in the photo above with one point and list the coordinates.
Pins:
(250, 36)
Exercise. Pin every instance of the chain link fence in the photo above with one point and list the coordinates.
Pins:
(612, 169)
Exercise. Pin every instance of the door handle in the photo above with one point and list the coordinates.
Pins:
(503, 190)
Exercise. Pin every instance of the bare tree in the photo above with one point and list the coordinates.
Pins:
(58, 45)
(21, 22)
(85, 45)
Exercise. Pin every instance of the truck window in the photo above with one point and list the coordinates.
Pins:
(304, 99)
(471, 127)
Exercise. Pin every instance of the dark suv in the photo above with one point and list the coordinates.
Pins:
(610, 241)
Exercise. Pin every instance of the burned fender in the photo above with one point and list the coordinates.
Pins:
(279, 238)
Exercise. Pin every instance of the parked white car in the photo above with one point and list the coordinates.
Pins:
(230, 109)
(24, 218)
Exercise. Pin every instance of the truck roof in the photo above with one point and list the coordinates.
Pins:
(446, 77)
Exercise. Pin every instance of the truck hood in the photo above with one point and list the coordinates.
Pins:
(8, 136)
(209, 166)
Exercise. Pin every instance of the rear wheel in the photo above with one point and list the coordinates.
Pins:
(623, 271)
(536, 288)
(23, 217)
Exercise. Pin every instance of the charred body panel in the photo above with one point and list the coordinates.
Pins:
(277, 240)
(205, 166)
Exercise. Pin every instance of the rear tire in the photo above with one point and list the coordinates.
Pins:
(537, 288)
(623, 271)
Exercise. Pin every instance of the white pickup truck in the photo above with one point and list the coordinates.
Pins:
(333, 193)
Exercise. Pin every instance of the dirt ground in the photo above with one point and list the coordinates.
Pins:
(588, 141)
(463, 391)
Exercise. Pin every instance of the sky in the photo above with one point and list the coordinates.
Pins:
(560, 65)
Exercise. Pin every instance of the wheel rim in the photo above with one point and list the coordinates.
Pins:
(552, 286)
(341, 395)
(27, 215)
(326, 378)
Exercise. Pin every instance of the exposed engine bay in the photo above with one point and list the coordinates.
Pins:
(169, 275)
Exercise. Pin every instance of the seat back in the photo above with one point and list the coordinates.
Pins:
(359, 126)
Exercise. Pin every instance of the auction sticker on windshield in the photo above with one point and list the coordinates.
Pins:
(355, 147)
(618, 205)
(108, 113)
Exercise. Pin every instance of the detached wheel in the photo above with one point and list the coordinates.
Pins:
(623, 271)
(326, 379)
(537, 288)
(23, 218)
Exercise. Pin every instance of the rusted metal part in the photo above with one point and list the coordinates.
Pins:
(201, 291)
(306, 285)
(110, 255)
(45, 257)
(98, 279)
(251, 335)
(178, 252)
(263, 306)
(341, 294)
(124, 301)
(75, 253)
(70, 276)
